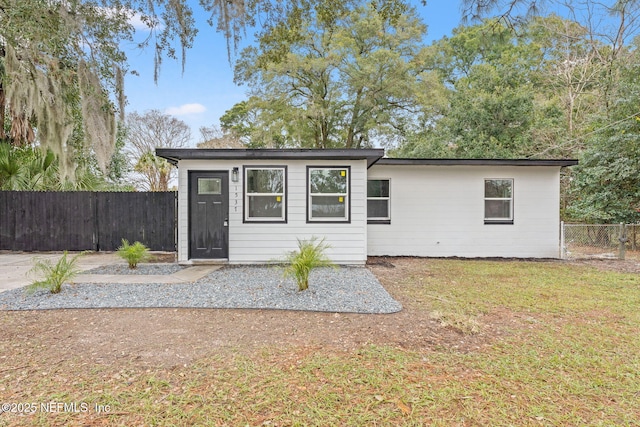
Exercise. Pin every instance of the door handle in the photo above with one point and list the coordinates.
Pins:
(226, 223)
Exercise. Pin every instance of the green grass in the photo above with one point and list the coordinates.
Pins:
(571, 358)
(476, 287)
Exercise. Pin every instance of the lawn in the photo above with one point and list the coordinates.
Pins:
(566, 352)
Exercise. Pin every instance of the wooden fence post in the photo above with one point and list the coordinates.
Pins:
(623, 241)
(563, 248)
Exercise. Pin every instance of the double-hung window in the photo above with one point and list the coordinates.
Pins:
(498, 201)
(265, 194)
(328, 189)
(378, 209)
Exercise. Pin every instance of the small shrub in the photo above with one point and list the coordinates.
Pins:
(133, 254)
(309, 255)
(55, 275)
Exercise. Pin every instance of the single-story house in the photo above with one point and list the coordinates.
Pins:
(243, 206)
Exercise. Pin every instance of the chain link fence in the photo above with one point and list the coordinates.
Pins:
(606, 241)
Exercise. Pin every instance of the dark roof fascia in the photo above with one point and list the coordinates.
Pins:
(479, 162)
(173, 155)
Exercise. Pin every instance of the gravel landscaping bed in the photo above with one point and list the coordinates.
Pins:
(343, 290)
(143, 269)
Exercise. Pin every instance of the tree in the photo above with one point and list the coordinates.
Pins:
(571, 69)
(214, 137)
(333, 74)
(61, 68)
(57, 58)
(514, 11)
(239, 120)
(592, 66)
(30, 168)
(146, 132)
(495, 102)
(613, 23)
(156, 172)
(605, 186)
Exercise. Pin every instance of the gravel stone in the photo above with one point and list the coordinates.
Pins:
(142, 269)
(342, 290)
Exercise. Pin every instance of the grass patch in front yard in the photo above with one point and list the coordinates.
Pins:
(570, 358)
(550, 288)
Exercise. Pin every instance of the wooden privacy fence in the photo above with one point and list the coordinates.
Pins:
(83, 220)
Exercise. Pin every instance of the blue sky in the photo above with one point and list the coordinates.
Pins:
(205, 90)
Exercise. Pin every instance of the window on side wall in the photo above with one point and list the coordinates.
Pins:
(265, 194)
(498, 201)
(378, 208)
(328, 189)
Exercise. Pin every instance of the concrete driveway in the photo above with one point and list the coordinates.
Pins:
(14, 267)
(14, 270)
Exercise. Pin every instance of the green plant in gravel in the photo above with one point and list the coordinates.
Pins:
(310, 255)
(133, 254)
(54, 275)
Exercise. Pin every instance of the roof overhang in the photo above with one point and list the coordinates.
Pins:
(173, 155)
(479, 162)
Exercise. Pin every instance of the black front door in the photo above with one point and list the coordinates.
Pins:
(208, 215)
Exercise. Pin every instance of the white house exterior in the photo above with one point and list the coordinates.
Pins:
(251, 206)
(237, 234)
(437, 209)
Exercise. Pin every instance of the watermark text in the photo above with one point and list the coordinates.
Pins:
(53, 407)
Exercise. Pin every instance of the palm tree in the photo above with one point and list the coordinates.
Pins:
(13, 176)
(156, 171)
(32, 169)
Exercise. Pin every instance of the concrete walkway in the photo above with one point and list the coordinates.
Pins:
(14, 270)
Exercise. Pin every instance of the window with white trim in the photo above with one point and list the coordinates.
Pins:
(265, 194)
(378, 208)
(328, 189)
(498, 201)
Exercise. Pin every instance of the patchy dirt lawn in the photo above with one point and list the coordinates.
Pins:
(232, 367)
(172, 337)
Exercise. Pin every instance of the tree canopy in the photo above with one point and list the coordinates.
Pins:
(606, 183)
(62, 65)
(61, 68)
(336, 74)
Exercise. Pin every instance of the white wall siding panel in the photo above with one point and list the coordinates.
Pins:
(269, 242)
(438, 211)
(183, 214)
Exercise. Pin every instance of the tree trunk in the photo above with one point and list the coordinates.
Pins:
(21, 132)
(2, 111)
(354, 120)
(3, 101)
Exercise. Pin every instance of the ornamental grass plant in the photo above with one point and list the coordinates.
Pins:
(54, 275)
(310, 255)
(133, 254)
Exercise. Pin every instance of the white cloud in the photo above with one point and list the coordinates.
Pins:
(186, 109)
